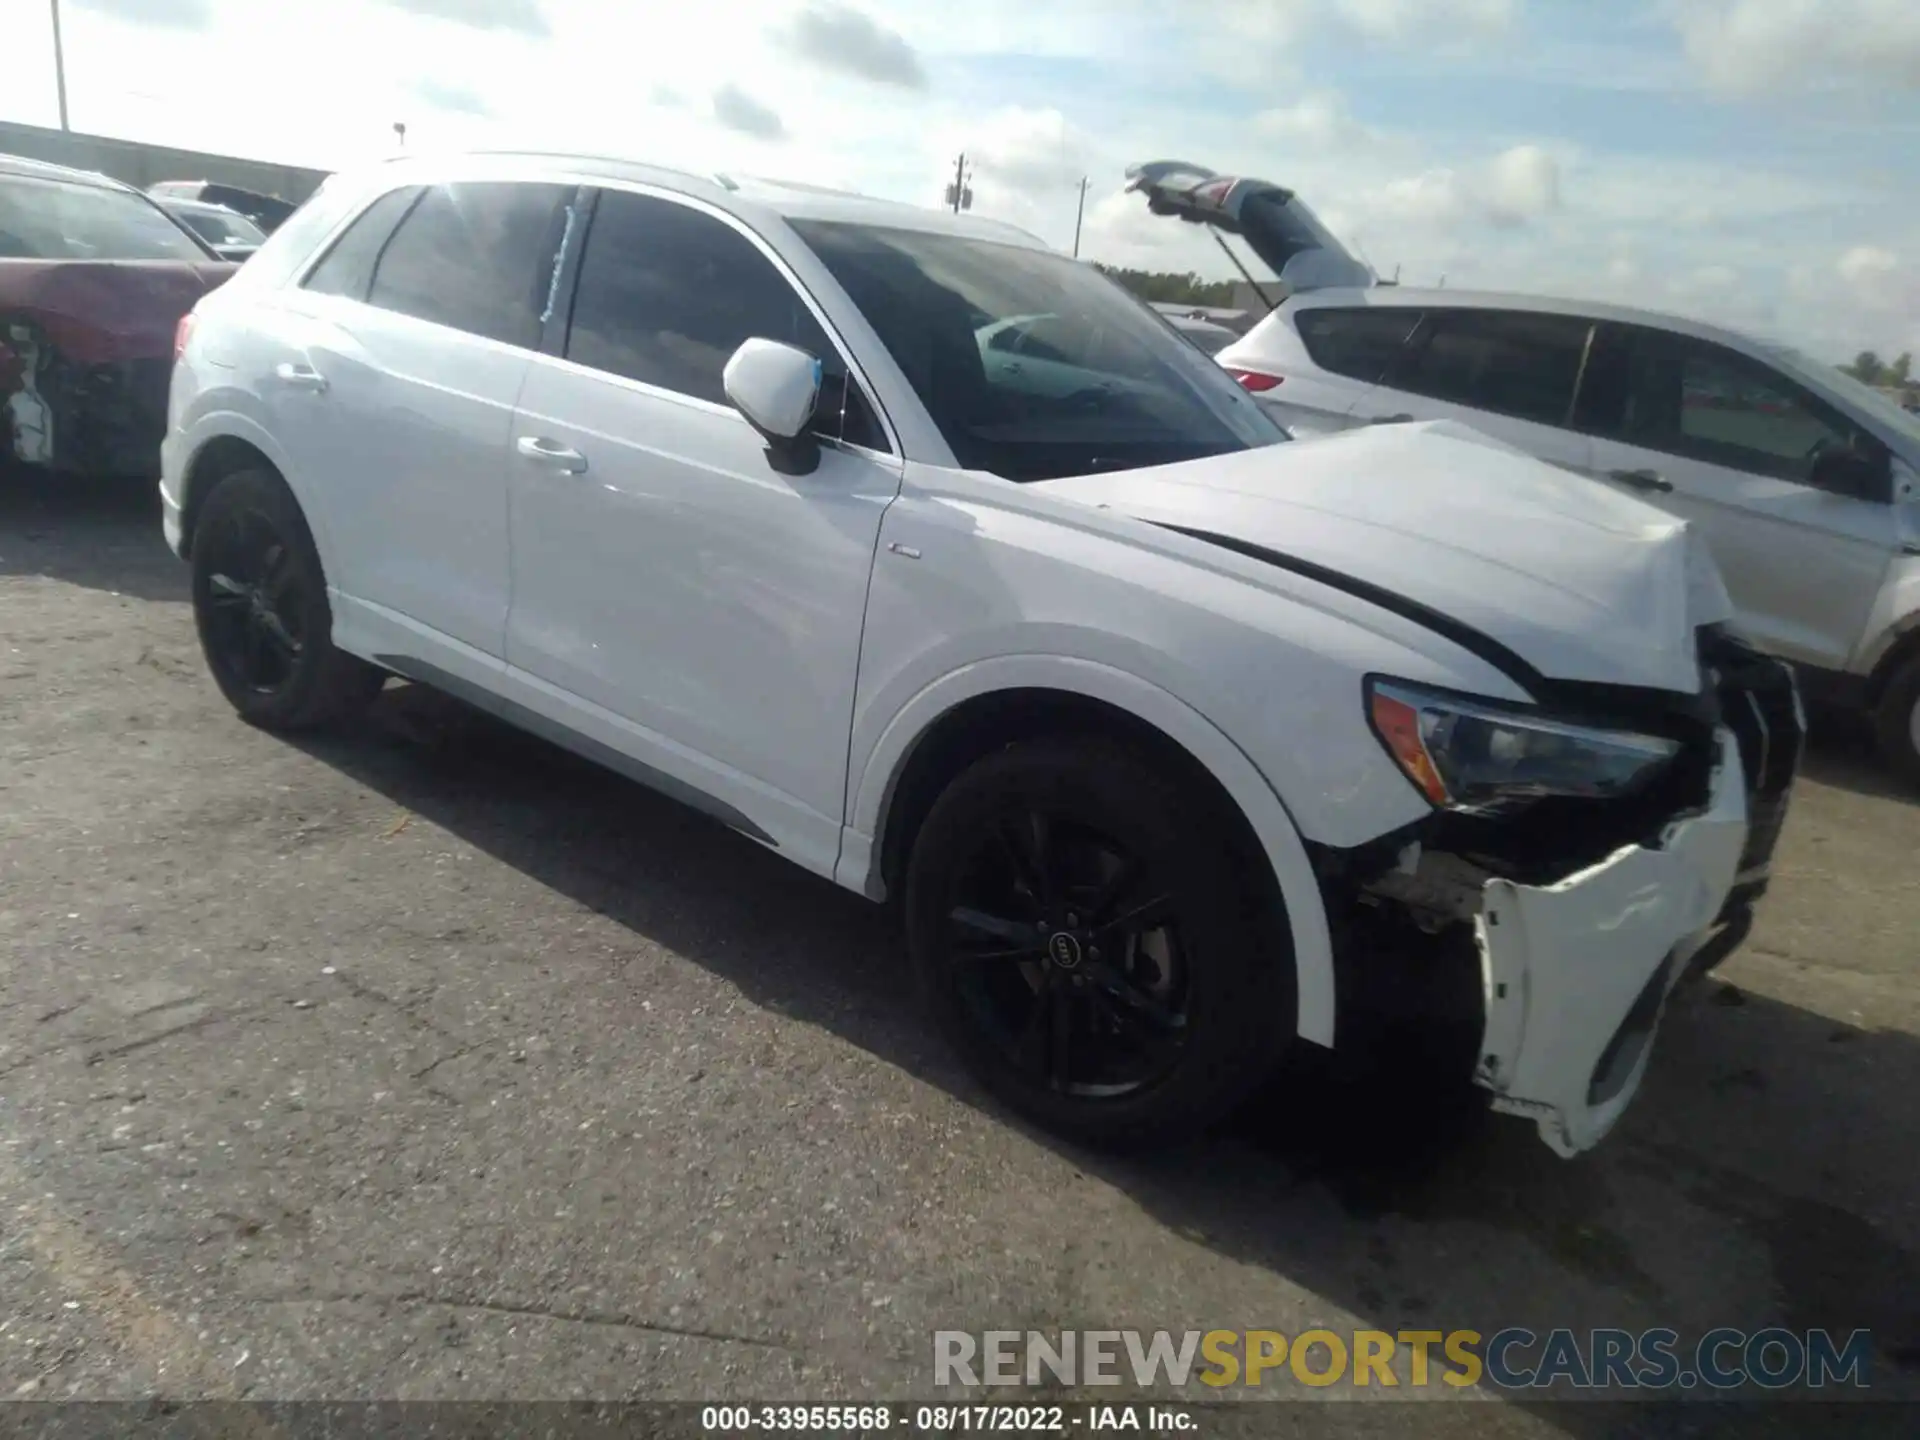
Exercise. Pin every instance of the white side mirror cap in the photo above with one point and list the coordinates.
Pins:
(776, 386)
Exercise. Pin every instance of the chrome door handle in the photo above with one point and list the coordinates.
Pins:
(551, 453)
(1642, 480)
(300, 376)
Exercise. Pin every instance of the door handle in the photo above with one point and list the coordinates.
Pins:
(300, 375)
(551, 453)
(1390, 420)
(1642, 480)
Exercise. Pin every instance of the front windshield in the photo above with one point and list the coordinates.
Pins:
(1034, 366)
(1861, 397)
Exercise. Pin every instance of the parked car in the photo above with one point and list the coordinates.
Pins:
(228, 233)
(1209, 337)
(1175, 742)
(268, 212)
(94, 280)
(1804, 483)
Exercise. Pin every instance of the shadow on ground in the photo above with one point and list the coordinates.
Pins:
(102, 534)
(1841, 753)
(1756, 1118)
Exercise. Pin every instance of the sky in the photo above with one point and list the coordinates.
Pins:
(1752, 162)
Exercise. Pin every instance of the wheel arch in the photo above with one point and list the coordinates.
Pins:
(235, 443)
(985, 706)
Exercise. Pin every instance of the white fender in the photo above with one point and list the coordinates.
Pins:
(876, 775)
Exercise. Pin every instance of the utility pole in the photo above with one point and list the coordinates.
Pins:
(959, 193)
(400, 129)
(60, 66)
(1078, 216)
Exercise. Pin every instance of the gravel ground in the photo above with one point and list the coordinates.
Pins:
(424, 1061)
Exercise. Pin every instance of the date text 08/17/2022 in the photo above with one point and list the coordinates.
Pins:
(945, 1419)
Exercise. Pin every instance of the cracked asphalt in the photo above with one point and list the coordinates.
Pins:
(424, 1061)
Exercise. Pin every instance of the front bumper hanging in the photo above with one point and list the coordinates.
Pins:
(1576, 974)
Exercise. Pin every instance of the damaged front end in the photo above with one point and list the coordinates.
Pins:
(1532, 940)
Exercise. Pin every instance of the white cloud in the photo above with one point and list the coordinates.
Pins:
(1522, 183)
(523, 17)
(1750, 46)
(178, 14)
(1867, 266)
(737, 110)
(838, 37)
(1318, 119)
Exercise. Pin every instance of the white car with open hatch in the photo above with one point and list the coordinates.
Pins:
(1178, 742)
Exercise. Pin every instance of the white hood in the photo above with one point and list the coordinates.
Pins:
(1581, 582)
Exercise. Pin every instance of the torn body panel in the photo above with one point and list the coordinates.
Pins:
(86, 352)
(1576, 973)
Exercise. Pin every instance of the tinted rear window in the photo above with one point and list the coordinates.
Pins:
(1361, 342)
(1514, 363)
(55, 220)
(477, 257)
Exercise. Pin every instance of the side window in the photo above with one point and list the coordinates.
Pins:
(666, 295)
(1705, 402)
(347, 267)
(1359, 343)
(1511, 362)
(476, 257)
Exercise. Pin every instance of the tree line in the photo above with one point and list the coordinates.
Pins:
(1163, 287)
(1870, 369)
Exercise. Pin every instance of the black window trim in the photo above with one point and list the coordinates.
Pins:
(1823, 410)
(555, 350)
(353, 217)
(1431, 317)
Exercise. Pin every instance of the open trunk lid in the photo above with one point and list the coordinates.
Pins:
(1275, 223)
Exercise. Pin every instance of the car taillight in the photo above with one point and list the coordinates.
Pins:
(1253, 380)
(181, 334)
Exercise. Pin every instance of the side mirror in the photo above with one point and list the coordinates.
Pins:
(777, 388)
(1859, 474)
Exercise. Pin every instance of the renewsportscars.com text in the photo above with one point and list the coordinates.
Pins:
(1513, 1358)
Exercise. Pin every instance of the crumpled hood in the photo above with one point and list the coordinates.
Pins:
(1579, 581)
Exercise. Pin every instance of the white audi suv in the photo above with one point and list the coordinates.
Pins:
(1176, 742)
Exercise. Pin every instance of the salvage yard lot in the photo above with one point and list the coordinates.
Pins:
(424, 1060)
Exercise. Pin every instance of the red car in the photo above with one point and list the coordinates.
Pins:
(94, 279)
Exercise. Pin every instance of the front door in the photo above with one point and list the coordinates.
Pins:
(663, 569)
(1727, 442)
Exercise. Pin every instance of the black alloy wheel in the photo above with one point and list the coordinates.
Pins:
(254, 615)
(1067, 949)
(260, 605)
(1093, 944)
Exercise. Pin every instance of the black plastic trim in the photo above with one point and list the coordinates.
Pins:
(587, 748)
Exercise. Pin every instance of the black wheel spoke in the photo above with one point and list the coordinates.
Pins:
(1015, 932)
(278, 636)
(1030, 1047)
(1126, 871)
(1060, 1042)
(224, 590)
(1025, 839)
(1112, 986)
(1139, 917)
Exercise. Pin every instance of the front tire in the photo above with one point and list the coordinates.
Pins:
(1896, 720)
(260, 605)
(1094, 947)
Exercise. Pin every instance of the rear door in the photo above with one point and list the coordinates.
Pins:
(1510, 374)
(1727, 441)
(391, 385)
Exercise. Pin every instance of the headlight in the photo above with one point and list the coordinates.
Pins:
(1480, 756)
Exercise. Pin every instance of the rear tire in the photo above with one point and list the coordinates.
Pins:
(1896, 720)
(260, 605)
(1093, 946)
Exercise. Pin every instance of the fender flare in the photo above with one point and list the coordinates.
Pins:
(871, 793)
